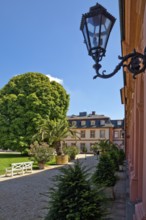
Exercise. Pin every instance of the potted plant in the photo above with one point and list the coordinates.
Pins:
(71, 151)
(41, 152)
(95, 149)
(53, 132)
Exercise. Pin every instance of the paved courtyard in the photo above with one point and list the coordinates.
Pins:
(26, 197)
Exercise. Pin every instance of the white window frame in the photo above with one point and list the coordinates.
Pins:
(116, 134)
(119, 122)
(83, 123)
(73, 144)
(101, 135)
(102, 122)
(92, 122)
(74, 123)
(92, 133)
(82, 145)
(121, 133)
(82, 133)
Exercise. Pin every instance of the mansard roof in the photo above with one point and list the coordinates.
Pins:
(83, 116)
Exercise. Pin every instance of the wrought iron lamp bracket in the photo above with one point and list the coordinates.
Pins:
(136, 65)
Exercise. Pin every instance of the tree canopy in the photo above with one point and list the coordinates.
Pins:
(26, 101)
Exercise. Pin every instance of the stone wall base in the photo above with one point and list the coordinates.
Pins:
(140, 213)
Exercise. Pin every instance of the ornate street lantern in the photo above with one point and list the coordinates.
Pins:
(96, 26)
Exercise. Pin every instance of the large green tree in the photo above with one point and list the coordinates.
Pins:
(25, 102)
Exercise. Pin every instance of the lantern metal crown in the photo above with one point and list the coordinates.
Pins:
(96, 26)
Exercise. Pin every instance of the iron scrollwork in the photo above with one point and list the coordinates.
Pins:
(136, 65)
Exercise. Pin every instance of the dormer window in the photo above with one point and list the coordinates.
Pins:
(74, 123)
(102, 122)
(119, 122)
(92, 122)
(83, 123)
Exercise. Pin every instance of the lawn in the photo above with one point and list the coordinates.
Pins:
(7, 159)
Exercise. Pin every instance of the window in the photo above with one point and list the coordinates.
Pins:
(91, 145)
(92, 134)
(83, 134)
(73, 144)
(122, 134)
(83, 123)
(82, 147)
(119, 122)
(102, 133)
(74, 123)
(92, 122)
(102, 122)
(116, 134)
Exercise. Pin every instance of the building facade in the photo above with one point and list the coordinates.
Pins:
(133, 36)
(92, 128)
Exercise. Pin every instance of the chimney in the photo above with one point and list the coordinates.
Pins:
(93, 112)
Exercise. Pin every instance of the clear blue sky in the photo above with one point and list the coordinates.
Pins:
(44, 36)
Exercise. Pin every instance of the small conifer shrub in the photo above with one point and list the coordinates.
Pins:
(73, 198)
(104, 175)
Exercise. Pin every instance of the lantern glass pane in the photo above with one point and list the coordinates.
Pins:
(93, 24)
(106, 25)
(86, 36)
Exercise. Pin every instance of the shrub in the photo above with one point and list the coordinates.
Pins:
(114, 155)
(95, 149)
(72, 197)
(121, 157)
(84, 149)
(104, 174)
(41, 152)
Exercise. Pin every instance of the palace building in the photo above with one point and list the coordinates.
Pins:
(92, 128)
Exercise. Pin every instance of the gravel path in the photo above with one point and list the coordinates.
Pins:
(24, 198)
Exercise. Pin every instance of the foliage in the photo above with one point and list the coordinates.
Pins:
(114, 155)
(84, 149)
(95, 149)
(71, 151)
(106, 146)
(118, 157)
(41, 152)
(55, 131)
(121, 157)
(26, 101)
(73, 198)
(105, 172)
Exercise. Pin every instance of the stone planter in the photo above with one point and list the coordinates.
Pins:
(61, 159)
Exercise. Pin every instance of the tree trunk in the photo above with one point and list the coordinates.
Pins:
(58, 147)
